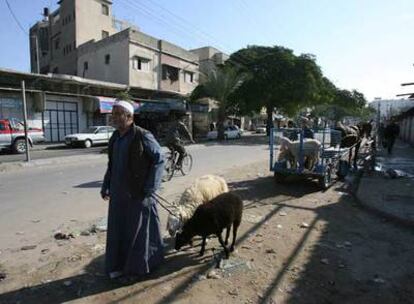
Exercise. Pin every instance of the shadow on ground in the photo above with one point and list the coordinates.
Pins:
(93, 282)
(94, 184)
(358, 258)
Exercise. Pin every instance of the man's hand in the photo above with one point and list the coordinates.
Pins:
(105, 196)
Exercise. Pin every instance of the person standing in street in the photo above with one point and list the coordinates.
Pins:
(134, 245)
(391, 132)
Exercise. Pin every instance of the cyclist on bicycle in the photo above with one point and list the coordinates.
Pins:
(174, 142)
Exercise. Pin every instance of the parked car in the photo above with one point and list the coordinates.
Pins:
(230, 132)
(91, 136)
(12, 135)
(261, 129)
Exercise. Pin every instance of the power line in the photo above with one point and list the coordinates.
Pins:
(15, 18)
(183, 29)
(179, 29)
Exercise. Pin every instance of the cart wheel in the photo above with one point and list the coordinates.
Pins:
(326, 180)
(279, 178)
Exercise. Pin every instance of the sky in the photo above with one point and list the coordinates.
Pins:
(365, 45)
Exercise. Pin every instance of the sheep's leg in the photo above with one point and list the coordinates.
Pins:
(203, 246)
(235, 227)
(226, 251)
(227, 235)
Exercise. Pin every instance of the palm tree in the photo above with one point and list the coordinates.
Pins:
(220, 84)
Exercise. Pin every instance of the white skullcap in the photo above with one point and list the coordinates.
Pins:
(127, 106)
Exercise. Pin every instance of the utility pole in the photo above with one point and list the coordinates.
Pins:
(25, 121)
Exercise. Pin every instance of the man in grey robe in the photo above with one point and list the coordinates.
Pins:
(134, 245)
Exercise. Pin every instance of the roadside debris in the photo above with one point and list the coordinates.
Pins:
(101, 225)
(254, 219)
(63, 236)
(3, 276)
(35, 221)
(213, 275)
(304, 225)
(28, 247)
(283, 213)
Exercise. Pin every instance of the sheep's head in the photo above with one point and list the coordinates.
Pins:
(181, 239)
(173, 225)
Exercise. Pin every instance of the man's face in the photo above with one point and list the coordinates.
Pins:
(120, 118)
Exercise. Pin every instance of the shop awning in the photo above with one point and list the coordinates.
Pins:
(106, 103)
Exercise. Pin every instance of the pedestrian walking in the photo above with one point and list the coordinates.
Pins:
(134, 245)
(391, 132)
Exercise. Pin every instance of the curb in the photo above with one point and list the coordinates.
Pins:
(19, 165)
(376, 211)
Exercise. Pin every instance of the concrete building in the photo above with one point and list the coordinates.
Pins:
(82, 38)
(406, 122)
(209, 59)
(391, 107)
(204, 112)
(57, 37)
(64, 104)
(139, 60)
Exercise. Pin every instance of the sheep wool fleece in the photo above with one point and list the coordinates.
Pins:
(134, 242)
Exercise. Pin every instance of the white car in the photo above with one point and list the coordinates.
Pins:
(91, 136)
(229, 133)
(261, 129)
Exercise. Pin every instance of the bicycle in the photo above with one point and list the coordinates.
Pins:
(171, 165)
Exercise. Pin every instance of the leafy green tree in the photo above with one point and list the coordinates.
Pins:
(277, 79)
(219, 85)
(343, 103)
(124, 96)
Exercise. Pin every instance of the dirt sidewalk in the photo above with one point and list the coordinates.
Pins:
(296, 245)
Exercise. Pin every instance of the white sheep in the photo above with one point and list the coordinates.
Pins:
(203, 190)
(310, 151)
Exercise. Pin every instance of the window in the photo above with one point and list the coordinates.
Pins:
(105, 34)
(105, 10)
(107, 59)
(188, 77)
(141, 64)
(169, 72)
(85, 65)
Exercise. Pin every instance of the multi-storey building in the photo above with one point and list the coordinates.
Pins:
(82, 38)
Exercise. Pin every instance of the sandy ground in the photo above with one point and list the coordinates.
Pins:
(296, 244)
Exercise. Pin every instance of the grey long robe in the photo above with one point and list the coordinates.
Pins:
(134, 242)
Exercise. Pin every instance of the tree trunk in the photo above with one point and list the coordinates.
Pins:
(269, 112)
(220, 123)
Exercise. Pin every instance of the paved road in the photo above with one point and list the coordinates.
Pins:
(48, 151)
(57, 194)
